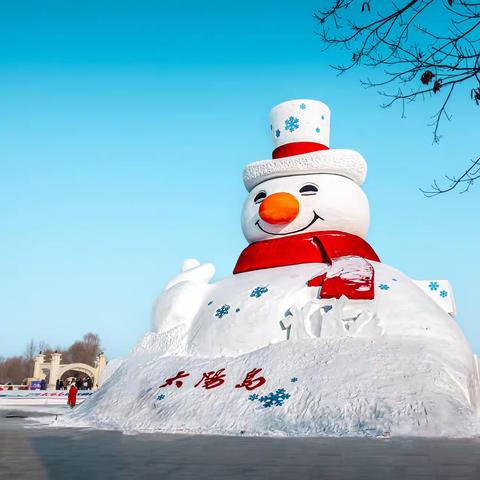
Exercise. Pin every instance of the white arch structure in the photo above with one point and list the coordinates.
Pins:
(56, 369)
(79, 367)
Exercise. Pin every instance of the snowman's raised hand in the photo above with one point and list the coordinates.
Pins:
(193, 271)
(183, 296)
(350, 276)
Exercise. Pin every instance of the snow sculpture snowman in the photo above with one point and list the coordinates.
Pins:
(353, 345)
(308, 271)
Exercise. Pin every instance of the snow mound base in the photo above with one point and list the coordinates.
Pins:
(342, 386)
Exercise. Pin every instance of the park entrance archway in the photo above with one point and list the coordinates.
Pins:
(54, 369)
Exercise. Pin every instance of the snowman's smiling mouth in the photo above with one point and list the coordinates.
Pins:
(315, 218)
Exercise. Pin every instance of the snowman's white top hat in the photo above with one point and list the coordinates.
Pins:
(301, 139)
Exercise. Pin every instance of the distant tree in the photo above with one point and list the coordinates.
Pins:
(83, 351)
(44, 347)
(31, 350)
(15, 370)
(415, 49)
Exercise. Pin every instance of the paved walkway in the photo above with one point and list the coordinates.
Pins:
(44, 453)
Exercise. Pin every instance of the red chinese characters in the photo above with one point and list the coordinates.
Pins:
(250, 382)
(176, 379)
(212, 379)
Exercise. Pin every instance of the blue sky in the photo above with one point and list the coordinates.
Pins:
(124, 129)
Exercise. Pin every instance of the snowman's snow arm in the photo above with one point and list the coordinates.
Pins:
(194, 272)
(183, 296)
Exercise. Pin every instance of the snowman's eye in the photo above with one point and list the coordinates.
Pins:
(260, 196)
(309, 189)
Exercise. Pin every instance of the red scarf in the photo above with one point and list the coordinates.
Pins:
(311, 247)
(351, 276)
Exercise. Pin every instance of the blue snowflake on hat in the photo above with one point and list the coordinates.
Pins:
(291, 123)
(301, 141)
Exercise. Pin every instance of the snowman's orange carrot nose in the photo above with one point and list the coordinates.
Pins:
(279, 208)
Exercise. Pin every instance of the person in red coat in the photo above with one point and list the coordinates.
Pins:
(72, 395)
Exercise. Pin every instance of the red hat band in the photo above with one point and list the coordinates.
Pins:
(297, 148)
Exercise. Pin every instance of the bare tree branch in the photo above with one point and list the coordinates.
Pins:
(465, 181)
(421, 48)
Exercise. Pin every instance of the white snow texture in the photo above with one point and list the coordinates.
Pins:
(396, 365)
(344, 162)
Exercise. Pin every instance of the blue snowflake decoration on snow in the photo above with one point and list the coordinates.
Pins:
(253, 397)
(433, 285)
(274, 398)
(294, 379)
(277, 132)
(303, 106)
(383, 286)
(291, 124)
(443, 293)
(257, 292)
(161, 397)
(222, 311)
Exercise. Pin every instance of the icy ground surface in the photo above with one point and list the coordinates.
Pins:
(337, 387)
(46, 453)
(42, 409)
